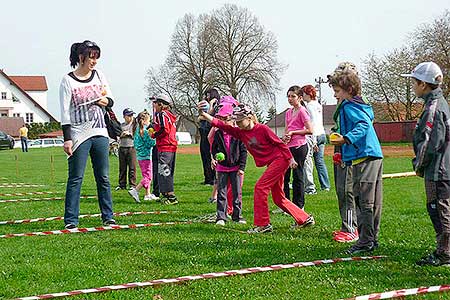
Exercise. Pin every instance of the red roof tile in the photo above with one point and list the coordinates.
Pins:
(30, 83)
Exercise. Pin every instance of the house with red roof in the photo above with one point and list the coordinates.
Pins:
(24, 97)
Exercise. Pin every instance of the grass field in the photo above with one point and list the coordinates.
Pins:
(49, 264)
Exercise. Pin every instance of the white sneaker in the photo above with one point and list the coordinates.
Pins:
(220, 223)
(153, 197)
(277, 211)
(148, 198)
(135, 194)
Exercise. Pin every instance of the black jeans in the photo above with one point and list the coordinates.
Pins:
(298, 186)
(205, 152)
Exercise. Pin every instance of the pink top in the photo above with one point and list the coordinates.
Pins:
(295, 120)
(219, 167)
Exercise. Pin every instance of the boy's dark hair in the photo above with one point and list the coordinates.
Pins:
(430, 85)
(213, 94)
(86, 49)
(347, 80)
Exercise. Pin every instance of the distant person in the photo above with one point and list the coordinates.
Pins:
(143, 144)
(23, 133)
(316, 112)
(298, 125)
(84, 94)
(127, 152)
(212, 97)
(432, 156)
(361, 150)
(164, 133)
(267, 150)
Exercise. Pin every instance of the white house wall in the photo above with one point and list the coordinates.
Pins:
(22, 107)
(40, 97)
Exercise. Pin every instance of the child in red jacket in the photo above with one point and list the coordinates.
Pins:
(166, 142)
(267, 150)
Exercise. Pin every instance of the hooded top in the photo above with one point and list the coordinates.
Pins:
(355, 121)
(165, 131)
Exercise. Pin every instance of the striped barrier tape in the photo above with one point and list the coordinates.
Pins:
(28, 193)
(398, 175)
(43, 199)
(117, 214)
(90, 229)
(401, 293)
(201, 276)
(20, 185)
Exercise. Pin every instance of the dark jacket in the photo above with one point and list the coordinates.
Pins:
(432, 139)
(237, 155)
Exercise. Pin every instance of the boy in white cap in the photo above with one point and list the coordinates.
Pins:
(431, 143)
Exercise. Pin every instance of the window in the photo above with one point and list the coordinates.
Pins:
(3, 114)
(16, 115)
(29, 117)
(3, 95)
(14, 98)
(48, 142)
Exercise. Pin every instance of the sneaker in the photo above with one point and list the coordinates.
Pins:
(336, 232)
(347, 237)
(220, 223)
(242, 221)
(153, 197)
(170, 200)
(326, 189)
(118, 188)
(135, 194)
(212, 200)
(109, 222)
(278, 211)
(355, 249)
(433, 260)
(311, 193)
(260, 229)
(309, 222)
(70, 226)
(147, 198)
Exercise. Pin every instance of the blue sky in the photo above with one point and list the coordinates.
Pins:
(313, 37)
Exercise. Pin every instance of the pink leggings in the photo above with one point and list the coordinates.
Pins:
(146, 170)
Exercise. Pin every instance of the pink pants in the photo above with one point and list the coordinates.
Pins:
(272, 180)
(146, 171)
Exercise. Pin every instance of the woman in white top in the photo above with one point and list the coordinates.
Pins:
(84, 94)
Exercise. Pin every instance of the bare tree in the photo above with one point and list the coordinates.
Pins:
(245, 56)
(391, 94)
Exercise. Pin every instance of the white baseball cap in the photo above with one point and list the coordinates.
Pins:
(428, 72)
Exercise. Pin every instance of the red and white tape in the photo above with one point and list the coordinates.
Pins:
(12, 185)
(43, 199)
(402, 293)
(91, 229)
(118, 214)
(201, 276)
(25, 194)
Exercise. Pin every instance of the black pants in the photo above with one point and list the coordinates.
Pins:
(205, 153)
(127, 162)
(155, 171)
(298, 186)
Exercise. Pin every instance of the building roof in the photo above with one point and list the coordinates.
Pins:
(54, 134)
(52, 118)
(11, 125)
(30, 83)
(328, 111)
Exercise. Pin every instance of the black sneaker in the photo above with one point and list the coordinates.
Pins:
(109, 222)
(118, 188)
(170, 200)
(70, 226)
(355, 249)
(433, 260)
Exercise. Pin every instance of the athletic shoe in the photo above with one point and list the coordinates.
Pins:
(309, 222)
(170, 200)
(336, 232)
(277, 211)
(135, 194)
(70, 226)
(118, 188)
(325, 189)
(355, 249)
(260, 229)
(311, 193)
(212, 200)
(154, 197)
(147, 198)
(241, 221)
(220, 223)
(109, 222)
(433, 260)
(346, 237)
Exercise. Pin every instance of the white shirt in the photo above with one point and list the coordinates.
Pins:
(316, 112)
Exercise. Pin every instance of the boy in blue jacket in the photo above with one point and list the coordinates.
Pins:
(431, 143)
(362, 151)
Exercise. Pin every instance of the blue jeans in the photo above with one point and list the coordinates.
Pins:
(98, 148)
(24, 143)
(321, 168)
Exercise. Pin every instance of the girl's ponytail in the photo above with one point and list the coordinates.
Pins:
(74, 56)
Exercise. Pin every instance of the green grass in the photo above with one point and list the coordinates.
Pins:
(47, 264)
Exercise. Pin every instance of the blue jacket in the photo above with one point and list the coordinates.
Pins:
(356, 126)
(143, 145)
